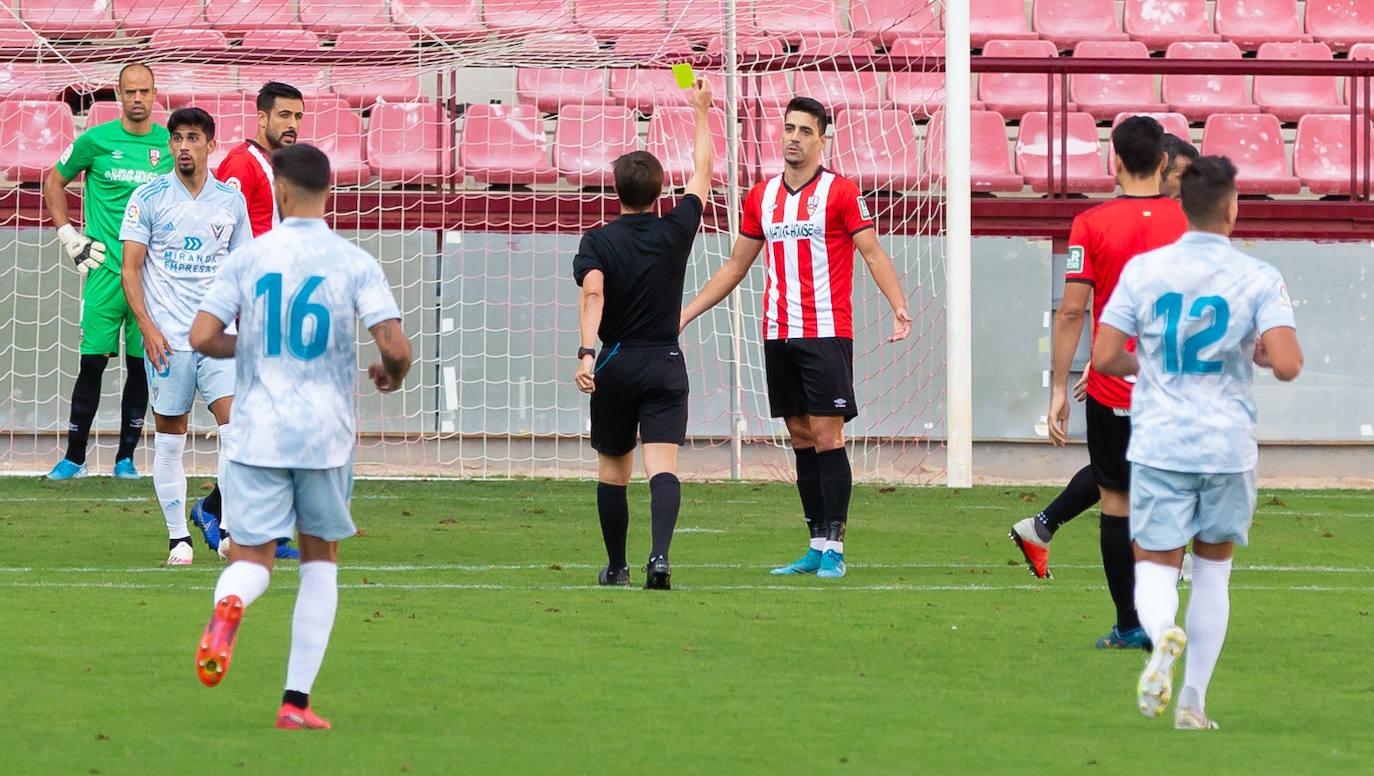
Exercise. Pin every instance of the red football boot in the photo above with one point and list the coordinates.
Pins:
(217, 643)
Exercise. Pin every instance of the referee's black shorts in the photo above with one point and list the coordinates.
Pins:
(810, 376)
(639, 387)
(1109, 434)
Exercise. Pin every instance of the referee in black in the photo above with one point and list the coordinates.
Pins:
(631, 272)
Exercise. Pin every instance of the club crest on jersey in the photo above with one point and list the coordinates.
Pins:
(154, 156)
(1075, 262)
(218, 229)
(863, 209)
(812, 202)
(233, 181)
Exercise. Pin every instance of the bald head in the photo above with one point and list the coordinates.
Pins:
(136, 96)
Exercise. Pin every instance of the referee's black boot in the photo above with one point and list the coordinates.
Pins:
(656, 574)
(618, 577)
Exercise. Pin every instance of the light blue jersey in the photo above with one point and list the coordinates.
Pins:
(1195, 308)
(187, 238)
(298, 291)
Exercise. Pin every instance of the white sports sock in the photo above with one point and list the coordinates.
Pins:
(1156, 597)
(243, 578)
(831, 544)
(311, 623)
(818, 544)
(220, 462)
(1209, 612)
(169, 482)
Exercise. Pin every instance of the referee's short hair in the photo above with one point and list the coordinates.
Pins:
(192, 117)
(1206, 188)
(1139, 141)
(303, 166)
(638, 179)
(811, 107)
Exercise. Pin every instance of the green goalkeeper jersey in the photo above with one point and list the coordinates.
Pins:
(115, 162)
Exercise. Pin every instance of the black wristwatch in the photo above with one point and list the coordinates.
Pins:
(586, 352)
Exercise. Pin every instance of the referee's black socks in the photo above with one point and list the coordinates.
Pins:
(809, 488)
(836, 483)
(665, 499)
(85, 401)
(614, 511)
(1118, 561)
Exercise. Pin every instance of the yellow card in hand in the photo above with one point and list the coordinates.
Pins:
(683, 74)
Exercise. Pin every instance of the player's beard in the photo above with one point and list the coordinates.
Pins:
(281, 139)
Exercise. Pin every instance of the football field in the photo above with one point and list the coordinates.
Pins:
(472, 638)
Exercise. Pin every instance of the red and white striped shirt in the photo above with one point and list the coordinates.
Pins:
(808, 239)
(248, 169)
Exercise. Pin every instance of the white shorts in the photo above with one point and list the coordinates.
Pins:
(267, 504)
(1168, 509)
(173, 391)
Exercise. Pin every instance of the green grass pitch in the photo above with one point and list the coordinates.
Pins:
(471, 638)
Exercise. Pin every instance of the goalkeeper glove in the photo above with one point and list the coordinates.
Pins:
(87, 253)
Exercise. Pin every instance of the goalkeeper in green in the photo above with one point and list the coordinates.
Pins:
(117, 157)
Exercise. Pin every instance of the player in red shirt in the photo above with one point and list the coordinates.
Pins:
(248, 167)
(810, 220)
(1101, 241)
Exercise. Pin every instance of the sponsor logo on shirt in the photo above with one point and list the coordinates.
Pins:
(796, 230)
(863, 208)
(154, 156)
(1283, 294)
(193, 244)
(1075, 263)
(170, 227)
(117, 154)
(67, 154)
(123, 175)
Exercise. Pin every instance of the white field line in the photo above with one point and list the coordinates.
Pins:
(461, 567)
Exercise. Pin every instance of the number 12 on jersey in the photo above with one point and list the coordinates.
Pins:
(1170, 307)
(300, 309)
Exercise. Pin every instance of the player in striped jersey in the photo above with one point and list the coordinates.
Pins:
(808, 221)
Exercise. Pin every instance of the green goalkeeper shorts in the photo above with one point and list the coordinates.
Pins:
(103, 312)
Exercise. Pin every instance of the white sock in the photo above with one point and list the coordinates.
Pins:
(1209, 612)
(220, 462)
(311, 623)
(243, 578)
(1156, 597)
(831, 544)
(169, 482)
(818, 543)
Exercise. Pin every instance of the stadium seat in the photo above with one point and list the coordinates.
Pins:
(842, 47)
(1014, 94)
(331, 126)
(886, 21)
(550, 89)
(704, 19)
(410, 143)
(334, 17)
(1321, 154)
(13, 33)
(67, 19)
(1292, 97)
(792, 22)
(1340, 24)
(1159, 23)
(521, 17)
(1107, 94)
(919, 93)
(761, 143)
(312, 81)
(447, 19)
(645, 88)
(24, 81)
(104, 111)
(281, 40)
(768, 89)
(372, 40)
(609, 19)
(181, 85)
(200, 39)
(652, 46)
(1174, 123)
(997, 20)
(1251, 23)
(141, 18)
(1085, 165)
(1255, 145)
(569, 45)
(33, 134)
(362, 85)
(747, 45)
(670, 140)
(840, 89)
(1199, 96)
(239, 17)
(588, 138)
(990, 169)
(505, 145)
(236, 120)
(1070, 22)
(877, 149)
(1354, 88)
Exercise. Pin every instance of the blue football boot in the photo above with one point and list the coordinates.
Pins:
(1135, 638)
(809, 563)
(66, 470)
(832, 565)
(286, 551)
(124, 469)
(207, 522)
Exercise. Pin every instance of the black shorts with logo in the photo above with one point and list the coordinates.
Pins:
(810, 376)
(1109, 434)
(639, 387)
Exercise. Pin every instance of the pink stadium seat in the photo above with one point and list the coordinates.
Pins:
(1354, 88)
(919, 93)
(1321, 154)
(23, 81)
(611, 18)
(362, 85)
(1199, 96)
(702, 19)
(550, 89)
(33, 135)
(888, 20)
(332, 127)
(842, 47)
(281, 40)
(1292, 97)
(840, 89)
(1014, 94)
(505, 144)
(447, 19)
(410, 143)
(792, 22)
(670, 141)
(1250, 23)
(521, 17)
(588, 138)
(761, 143)
(1107, 94)
(110, 110)
(1174, 123)
(372, 40)
(238, 17)
(991, 164)
(1070, 22)
(652, 46)
(747, 45)
(1085, 167)
(645, 88)
(201, 39)
(1340, 23)
(312, 81)
(997, 20)
(1255, 145)
(763, 89)
(13, 33)
(1158, 23)
(181, 85)
(877, 149)
(140, 18)
(68, 18)
(333, 17)
(236, 120)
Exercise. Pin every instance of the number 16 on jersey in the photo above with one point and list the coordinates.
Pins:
(307, 323)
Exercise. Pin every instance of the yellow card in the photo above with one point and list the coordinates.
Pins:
(683, 74)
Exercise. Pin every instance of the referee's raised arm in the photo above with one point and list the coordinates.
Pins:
(702, 155)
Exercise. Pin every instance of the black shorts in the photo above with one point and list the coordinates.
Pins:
(1108, 436)
(643, 388)
(810, 376)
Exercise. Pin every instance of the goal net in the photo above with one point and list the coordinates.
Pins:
(471, 143)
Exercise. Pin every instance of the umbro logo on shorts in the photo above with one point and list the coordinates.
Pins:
(840, 403)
